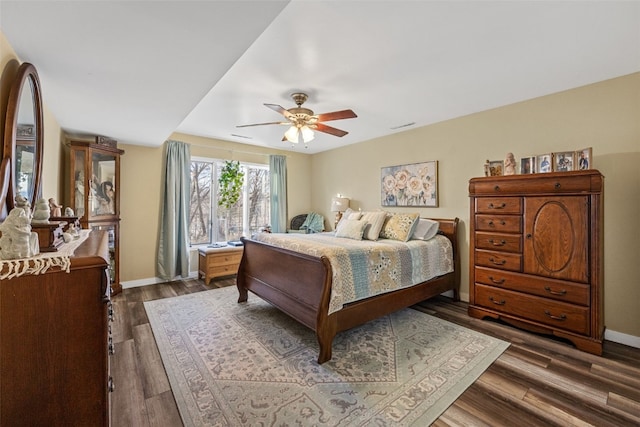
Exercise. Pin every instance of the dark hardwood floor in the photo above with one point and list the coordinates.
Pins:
(538, 381)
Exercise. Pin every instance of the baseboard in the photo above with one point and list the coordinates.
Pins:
(153, 281)
(620, 338)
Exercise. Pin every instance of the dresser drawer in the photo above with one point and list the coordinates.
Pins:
(562, 182)
(501, 223)
(499, 241)
(502, 260)
(557, 314)
(575, 293)
(499, 205)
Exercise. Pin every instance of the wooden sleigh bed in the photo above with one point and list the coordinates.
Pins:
(300, 286)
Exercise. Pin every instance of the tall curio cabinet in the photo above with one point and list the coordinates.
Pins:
(94, 194)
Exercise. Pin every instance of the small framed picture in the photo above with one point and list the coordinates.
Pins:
(528, 165)
(544, 163)
(563, 161)
(583, 159)
(496, 168)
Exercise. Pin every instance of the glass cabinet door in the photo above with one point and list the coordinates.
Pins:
(112, 230)
(102, 183)
(79, 200)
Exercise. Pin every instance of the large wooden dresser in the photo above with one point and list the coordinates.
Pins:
(55, 342)
(536, 256)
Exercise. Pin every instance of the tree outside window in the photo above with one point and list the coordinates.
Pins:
(209, 222)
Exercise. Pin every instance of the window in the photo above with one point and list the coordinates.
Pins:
(209, 223)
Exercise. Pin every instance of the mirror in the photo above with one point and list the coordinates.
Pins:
(23, 136)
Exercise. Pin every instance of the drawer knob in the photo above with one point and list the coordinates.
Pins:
(557, 185)
(497, 188)
(497, 262)
(496, 302)
(111, 385)
(497, 242)
(551, 316)
(553, 292)
(496, 281)
(500, 206)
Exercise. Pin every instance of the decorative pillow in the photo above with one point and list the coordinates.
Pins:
(425, 229)
(399, 226)
(349, 214)
(351, 229)
(375, 221)
(355, 215)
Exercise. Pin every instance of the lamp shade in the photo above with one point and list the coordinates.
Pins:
(339, 204)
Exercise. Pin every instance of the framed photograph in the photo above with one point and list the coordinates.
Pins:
(563, 161)
(414, 184)
(528, 165)
(583, 159)
(544, 163)
(496, 167)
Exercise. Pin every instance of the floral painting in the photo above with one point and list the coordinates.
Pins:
(410, 185)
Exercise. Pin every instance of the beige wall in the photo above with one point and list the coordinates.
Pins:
(141, 172)
(605, 116)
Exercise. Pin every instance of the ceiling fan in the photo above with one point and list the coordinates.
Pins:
(303, 121)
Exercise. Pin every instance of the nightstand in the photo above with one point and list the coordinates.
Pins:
(218, 262)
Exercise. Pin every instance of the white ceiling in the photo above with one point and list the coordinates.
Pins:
(137, 71)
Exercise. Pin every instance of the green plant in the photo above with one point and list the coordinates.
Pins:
(230, 184)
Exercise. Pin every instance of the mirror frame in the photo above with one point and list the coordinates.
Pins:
(26, 75)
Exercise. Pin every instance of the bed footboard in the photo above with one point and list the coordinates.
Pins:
(296, 283)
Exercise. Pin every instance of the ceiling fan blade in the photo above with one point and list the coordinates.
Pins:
(330, 130)
(336, 115)
(261, 124)
(279, 109)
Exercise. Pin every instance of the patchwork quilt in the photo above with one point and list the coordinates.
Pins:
(364, 268)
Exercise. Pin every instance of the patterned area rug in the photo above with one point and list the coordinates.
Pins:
(235, 364)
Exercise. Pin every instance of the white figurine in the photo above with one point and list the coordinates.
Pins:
(18, 241)
(22, 202)
(68, 212)
(41, 213)
(55, 210)
(510, 164)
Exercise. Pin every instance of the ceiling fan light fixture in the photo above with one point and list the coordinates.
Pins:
(307, 134)
(292, 134)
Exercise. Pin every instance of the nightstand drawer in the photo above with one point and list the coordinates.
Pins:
(499, 241)
(553, 313)
(499, 205)
(223, 270)
(575, 293)
(500, 223)
(224, 259)
(502, 260)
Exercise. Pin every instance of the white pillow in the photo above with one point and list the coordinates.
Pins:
(349, 214)
(375, 222)
(425, 229)
(351, 229)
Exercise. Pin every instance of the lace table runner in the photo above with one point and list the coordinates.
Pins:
(39, 264)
